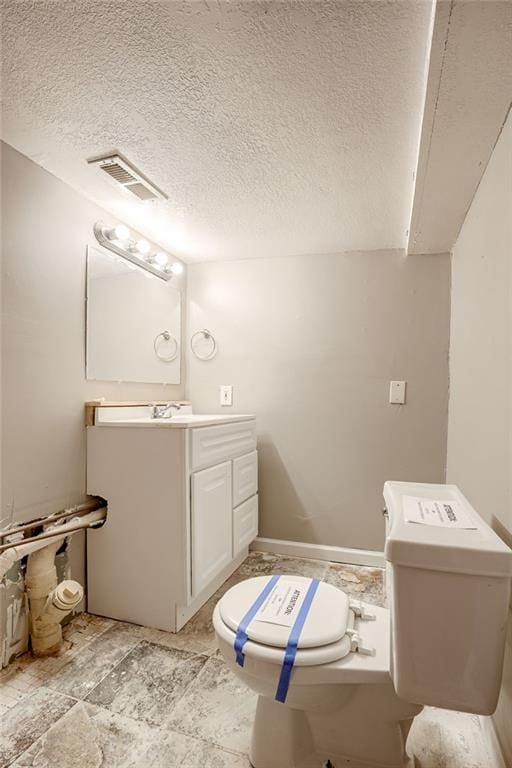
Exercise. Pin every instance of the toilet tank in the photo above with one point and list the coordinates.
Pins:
(449, 591)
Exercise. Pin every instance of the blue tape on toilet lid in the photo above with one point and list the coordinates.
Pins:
(290, 653)
(326, 622)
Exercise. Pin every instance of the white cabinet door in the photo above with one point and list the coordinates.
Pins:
(212, 524)
(245, 524)
(245, 477)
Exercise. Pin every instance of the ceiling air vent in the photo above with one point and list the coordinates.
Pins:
(124, 174)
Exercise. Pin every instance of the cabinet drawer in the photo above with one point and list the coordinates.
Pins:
(245, 524)
(211, 445)
(245, 477)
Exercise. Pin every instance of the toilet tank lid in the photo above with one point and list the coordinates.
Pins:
(475, 551)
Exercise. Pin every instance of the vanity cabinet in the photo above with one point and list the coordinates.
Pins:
(182, 511)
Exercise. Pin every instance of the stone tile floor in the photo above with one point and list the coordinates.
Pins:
(124, 696)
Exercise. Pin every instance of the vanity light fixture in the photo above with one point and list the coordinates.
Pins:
(120, 233)
(119, 240)
(142, 247)
(174, 269)
(161, 258)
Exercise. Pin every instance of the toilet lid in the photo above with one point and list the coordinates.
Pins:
(326, 622)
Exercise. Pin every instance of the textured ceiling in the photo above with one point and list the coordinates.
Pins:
(274, 127)
(467, 99)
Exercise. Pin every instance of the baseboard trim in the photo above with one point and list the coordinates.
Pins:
(369, 557)
(493, 742)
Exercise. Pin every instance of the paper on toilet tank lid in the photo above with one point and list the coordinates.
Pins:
(444, 513)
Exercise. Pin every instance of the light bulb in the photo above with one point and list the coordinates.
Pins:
(177, 268)
(120, 232)
(143, 247)
(160, 258)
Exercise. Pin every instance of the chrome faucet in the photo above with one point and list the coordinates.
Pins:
(164, 411)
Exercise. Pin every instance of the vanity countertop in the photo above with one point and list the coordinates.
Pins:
(140, 416)
(176, 422)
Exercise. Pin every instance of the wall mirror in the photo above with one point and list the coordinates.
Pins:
(133, 328)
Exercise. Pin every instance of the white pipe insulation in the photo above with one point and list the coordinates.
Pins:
(50, 601)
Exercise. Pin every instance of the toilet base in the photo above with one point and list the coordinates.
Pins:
(362, 734)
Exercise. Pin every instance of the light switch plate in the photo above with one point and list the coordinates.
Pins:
(226, 394)
(397, 392)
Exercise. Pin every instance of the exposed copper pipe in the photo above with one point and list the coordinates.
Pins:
(87, 506)
(52, 534)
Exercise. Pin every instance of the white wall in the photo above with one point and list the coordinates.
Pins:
(310, 345)
(45, 229)
(480, 410)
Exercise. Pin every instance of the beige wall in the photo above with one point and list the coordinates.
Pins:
(480, 411)
(45, 229)
(310, 345)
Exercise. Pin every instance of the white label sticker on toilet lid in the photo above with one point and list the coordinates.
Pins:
(444, 514)
(283, 604)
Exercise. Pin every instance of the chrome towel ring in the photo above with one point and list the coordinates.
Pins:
(203, 344)
(166, 336)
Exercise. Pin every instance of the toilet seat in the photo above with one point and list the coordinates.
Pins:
(323, 638)
(315, 666)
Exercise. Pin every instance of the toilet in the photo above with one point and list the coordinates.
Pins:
(361, 673)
